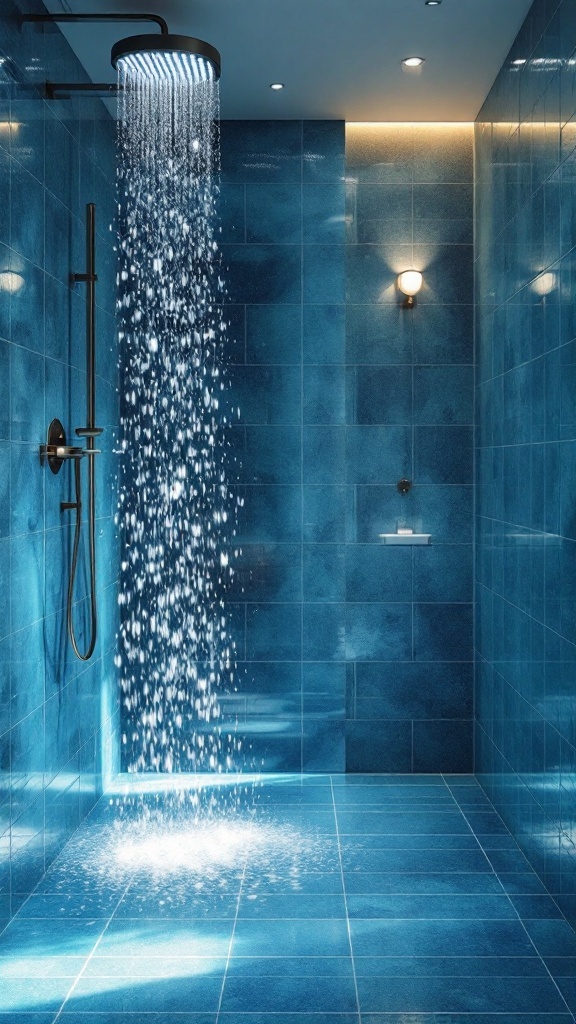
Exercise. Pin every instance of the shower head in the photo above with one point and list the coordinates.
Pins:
(167, 57)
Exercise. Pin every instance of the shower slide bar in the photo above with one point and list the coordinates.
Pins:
(56, 451)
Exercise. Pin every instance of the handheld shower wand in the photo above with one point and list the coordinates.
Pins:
(90, 432)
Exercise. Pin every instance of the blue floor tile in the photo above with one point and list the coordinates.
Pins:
(305, 883)
(521, 882)
(499, 842)
(486, 823)
(321, 818)
(151, 967)
(445, 926)
(405, 796)
(439, 938)
(400, 822)
(70, 905)
(24, 937)
(449, 967)
(561, 966)
(168, 903)
(290, 907)
(17, 1017)
(466, 794)
(430, 883)
(454, 780)
(119, 1017)
(552, 938)
(291, 938)
(469, 1018)
(507, 860)
(293, 966)
(290, 1018)
(288, 995)
(413, 842)
(453, 995)
(394, 803)
(414, 860)
(21, 995)
(567, 987)
(183, 938)
(41, 966)
(538, 906)
(459, 907)
(394, 779)
(137, 995)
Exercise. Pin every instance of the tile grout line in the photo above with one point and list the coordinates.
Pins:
(335, 812)
(475, 837)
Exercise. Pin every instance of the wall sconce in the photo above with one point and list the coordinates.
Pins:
(10, 282)
(410, 283)
(545, 284)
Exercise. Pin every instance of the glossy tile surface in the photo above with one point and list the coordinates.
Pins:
(526, 432)
(316, 900)
(57, 717)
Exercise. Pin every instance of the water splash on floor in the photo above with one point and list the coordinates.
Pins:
(177, 510)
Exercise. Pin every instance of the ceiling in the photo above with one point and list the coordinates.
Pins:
(337, 58)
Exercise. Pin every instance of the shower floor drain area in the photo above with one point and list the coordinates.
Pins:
(293, 899)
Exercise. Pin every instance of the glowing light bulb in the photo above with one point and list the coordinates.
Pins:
(11, 282)
(410, 282)
(413, 63)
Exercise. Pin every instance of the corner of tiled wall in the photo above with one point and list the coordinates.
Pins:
(526, 444)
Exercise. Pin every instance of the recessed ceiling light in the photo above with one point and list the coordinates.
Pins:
(411, 63)
(433, 3)
(276, 86)
(519, 61)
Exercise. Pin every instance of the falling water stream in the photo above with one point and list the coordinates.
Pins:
(177, 510)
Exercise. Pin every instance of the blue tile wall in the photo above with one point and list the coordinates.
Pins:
(526, 434)
(353, 656)
(282, 214)
(409, 413)
(58, 717)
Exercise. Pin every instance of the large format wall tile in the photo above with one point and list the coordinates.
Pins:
(58, 728)
(283, 216)
(409, 410)
(526, 443)
(341, 393)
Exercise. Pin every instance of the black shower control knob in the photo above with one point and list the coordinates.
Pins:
(404, 486)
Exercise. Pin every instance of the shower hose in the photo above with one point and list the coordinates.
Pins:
(92, 557)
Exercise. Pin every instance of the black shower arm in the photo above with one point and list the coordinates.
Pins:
(47, 18)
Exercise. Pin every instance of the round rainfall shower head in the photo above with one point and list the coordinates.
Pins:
(167, 57)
